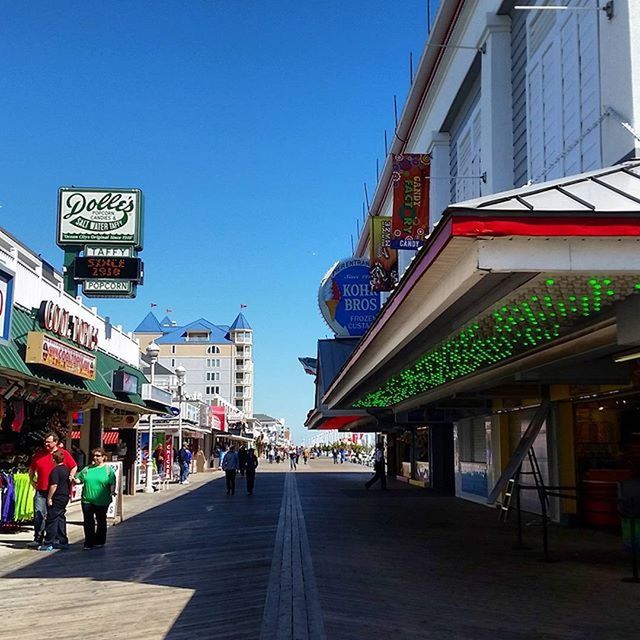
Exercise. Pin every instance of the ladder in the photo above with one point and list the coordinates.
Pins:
(513, 485)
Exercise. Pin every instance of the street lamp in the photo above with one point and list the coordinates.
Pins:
(180, 374)
(152, 353)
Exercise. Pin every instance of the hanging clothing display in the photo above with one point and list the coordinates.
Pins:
(17, 497)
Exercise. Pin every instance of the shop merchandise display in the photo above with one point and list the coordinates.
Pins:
(25, 418)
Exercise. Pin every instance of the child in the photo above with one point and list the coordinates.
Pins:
(57, 500)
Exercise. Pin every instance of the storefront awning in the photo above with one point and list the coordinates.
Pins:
(12, 361)
(331, 356)
(502, 283)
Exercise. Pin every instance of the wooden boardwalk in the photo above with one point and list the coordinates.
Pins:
(311, 555)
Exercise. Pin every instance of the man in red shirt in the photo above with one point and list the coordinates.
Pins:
(40, 469)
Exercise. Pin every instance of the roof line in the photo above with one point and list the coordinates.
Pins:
(615, 190)
(584, 203)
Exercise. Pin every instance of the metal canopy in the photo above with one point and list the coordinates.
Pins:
(611, 190)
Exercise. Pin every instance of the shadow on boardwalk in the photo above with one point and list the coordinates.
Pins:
(388, 565)
(195, 567)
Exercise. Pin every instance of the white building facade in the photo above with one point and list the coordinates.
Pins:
(218, 359)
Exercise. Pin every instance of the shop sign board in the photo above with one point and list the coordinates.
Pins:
(346, 301)
(410, 184)
(6, 303)
(66, 325)
(124, 382)
(156, 394)
(107, 268)
(103, 288)
(120, 421)
(51, 352)
(105, 216)
(383, 260)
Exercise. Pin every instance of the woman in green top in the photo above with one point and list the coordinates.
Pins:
(98, 487)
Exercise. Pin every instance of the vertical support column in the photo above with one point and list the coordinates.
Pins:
(439, 187)
(95, 429)
(496, 105)
(69, 283)
(441, 457)
(412, 455)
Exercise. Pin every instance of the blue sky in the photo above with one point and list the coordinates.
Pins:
(251, 128)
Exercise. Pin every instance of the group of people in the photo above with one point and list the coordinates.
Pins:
(278, 454)
(53, 471)
(244, 462)
(183, 456)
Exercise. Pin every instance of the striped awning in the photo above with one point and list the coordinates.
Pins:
(110, 437)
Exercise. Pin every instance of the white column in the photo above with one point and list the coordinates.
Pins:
(440, 186)
(495, 104)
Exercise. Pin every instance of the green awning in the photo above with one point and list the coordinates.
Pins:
(12, 357)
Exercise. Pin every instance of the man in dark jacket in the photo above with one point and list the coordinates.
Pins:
(252, 463)
(242, 459)
(230, 467)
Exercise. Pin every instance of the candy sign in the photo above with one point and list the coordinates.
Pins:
(346, 301)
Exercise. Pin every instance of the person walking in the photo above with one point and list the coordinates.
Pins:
(184, 459)
(252, 464)
(378, 467)
(305, 454)
(230, 466)
(242, 459)
(293, 459)
(334, 452)
(40, 470)
(57, 500)
(158, 458)
(98, 488)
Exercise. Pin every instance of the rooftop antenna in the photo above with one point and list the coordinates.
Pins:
(352, 249)
(377, 170)
(395, 110)
(366, 196)
(357, 228)
(428, 17)
(363, 213)
(411, 67)
(386, 149)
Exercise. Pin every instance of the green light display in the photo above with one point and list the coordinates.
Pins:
(533, 317)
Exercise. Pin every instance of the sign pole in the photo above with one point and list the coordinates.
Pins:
(70, 286)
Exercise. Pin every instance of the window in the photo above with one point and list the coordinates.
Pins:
(213, 349)
(239, 364)
(239, 391)
(213, 363)
(198, 336)
(468, 179)
(239, 404)
(473, 440)
(213, 376)
(210, 391)
(563, 94)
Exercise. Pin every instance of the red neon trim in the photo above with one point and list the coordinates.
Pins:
(472, 227)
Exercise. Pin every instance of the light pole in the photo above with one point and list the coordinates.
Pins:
(152, 353)
(180, 374)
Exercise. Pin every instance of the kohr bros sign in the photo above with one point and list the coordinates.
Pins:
(346, 301)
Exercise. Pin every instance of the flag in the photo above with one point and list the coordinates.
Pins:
(169, 311)
(243, 306)
(383, 260)
(310, 365)
(410, 184)
(153, 304)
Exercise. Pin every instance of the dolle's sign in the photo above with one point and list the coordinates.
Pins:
(61, 322)
(110, 216)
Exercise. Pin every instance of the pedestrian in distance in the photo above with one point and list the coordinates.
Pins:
(57, 500)
(98, 488)
(334, 452)
(378, 467)
(40, 470)
(184, 459)
(305, 455)
(252, 465)
(293, 460)
(230, 467)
